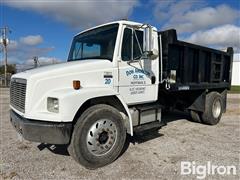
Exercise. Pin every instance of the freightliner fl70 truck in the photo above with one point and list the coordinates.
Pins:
(118, 78)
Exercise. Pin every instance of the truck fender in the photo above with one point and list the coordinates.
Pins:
(129, 118)
(78, 98)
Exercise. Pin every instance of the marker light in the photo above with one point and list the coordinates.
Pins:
(76, 84)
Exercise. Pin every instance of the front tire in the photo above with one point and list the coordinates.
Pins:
(98, 137)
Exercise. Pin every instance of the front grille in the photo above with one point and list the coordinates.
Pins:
(18, 93)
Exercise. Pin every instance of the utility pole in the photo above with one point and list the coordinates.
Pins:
(5, 41)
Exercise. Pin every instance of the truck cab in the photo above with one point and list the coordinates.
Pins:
(110, 86)
(121, 44)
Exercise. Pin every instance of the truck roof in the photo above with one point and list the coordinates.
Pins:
(114, 22)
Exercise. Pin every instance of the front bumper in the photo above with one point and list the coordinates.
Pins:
(41, 131)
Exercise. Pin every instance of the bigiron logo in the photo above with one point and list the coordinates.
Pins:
(202, 171)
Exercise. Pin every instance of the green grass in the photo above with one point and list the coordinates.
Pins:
(235, 89)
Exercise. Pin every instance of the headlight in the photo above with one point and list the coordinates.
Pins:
(52, 104)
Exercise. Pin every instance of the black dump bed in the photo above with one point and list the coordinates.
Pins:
(189, 66)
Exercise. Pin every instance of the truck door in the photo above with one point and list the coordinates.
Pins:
(138, 78)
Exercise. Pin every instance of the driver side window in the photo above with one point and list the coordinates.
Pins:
(127, 52)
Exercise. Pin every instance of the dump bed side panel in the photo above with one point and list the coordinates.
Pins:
(190, 67)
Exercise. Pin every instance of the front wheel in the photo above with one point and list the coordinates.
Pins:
(98, 137)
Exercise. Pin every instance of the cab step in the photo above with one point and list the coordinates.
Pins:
(155, 125)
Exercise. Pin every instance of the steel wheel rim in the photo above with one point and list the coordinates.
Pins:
(216, 108)
(101, 137)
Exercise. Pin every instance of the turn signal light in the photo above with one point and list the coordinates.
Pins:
(76, 84)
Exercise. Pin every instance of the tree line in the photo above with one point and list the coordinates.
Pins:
(11, 69)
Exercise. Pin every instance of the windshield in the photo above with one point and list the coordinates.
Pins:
(98, 43)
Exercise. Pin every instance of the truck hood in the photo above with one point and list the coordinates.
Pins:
(65, 68)
(57, 81)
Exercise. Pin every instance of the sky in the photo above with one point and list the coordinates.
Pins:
(45, 28)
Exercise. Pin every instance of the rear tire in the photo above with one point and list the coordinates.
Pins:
(213, 109)
(98, 137)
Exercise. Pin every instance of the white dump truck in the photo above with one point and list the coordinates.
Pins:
(117, 80)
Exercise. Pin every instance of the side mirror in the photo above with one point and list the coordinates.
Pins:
(147, 45)
(154, 54)
(147, 37)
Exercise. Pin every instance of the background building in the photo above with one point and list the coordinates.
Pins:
(236, 70)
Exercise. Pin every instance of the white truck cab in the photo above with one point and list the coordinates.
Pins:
(108, 87)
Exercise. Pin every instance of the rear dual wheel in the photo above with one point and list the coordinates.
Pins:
(213, 110)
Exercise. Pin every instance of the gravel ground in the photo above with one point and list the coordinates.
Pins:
(152, 156)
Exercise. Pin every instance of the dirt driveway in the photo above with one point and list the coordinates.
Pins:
(152, 156)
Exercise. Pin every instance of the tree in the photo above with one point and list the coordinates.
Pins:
(11, 68)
